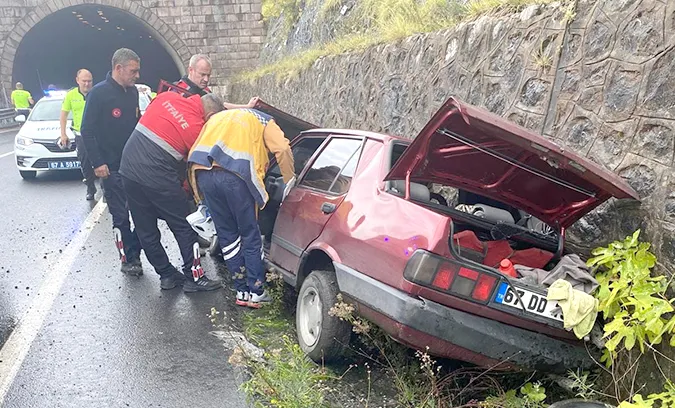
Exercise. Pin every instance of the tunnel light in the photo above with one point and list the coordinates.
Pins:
(78, 15)
(99, 28)
(74, 12)
(122, 29)
(85, 22)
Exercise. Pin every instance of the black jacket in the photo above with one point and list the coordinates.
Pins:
(110, 115)
(193, 88)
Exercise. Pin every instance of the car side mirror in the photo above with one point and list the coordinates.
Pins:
(20, 118)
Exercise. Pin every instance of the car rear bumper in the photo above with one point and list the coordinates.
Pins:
(452, 333)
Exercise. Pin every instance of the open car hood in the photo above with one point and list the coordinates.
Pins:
(291, 125)
(469, 148)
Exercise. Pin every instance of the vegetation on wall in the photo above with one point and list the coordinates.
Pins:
(372, 22)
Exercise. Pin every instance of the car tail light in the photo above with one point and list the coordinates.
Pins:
(444, 276)
(450, 276)
(484, 287)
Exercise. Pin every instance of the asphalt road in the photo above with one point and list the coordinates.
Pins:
(78, 333)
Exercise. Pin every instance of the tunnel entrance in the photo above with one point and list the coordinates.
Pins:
(86, 36)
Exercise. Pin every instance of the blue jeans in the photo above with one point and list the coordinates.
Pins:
(233, 210)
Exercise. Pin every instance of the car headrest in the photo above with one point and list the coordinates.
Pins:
(418, 192)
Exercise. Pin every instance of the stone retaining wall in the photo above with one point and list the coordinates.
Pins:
(601, 84)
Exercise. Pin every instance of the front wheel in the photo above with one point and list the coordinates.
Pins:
(321, 336)
(28, 175)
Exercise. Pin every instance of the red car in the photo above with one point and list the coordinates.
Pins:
(362, 221)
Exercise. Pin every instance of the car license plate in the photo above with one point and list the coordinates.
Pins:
(65, 164)
(533, 302)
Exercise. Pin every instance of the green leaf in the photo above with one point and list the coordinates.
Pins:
(672, 340)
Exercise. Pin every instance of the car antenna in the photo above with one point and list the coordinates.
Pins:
(39, 79)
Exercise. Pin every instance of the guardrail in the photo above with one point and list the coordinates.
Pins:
(7, 118)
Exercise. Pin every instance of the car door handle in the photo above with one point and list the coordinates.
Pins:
(328, 208)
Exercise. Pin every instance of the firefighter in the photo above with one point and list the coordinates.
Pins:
(151, 169)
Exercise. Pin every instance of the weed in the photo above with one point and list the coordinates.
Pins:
(373, 22)
(287, 379)
(582, 384)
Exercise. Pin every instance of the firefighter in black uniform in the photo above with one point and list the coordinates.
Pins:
(110, 116)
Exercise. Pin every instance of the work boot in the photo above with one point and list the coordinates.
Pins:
(242, 298)
(91, 191)
(132, 268)
(171, 281)
(256, 301)
(203, 284)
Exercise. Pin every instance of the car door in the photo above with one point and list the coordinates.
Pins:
(318, 193)
(303, 148)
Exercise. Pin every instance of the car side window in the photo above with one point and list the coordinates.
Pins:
(302, 152)
(331, 163)
(344, 180)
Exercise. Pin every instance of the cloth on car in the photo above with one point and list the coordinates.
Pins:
(490, 253)
(570, 268)
(579, 309)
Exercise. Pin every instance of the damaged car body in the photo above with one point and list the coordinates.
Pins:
(413, 233)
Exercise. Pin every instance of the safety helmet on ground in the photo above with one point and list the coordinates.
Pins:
(201, 222)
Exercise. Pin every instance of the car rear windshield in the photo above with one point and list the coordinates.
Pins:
(47, 110)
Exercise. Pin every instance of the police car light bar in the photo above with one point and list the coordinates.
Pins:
(55, 94)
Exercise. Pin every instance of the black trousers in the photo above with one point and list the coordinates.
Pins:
(116, 198)
(86, 166)
(148, 205)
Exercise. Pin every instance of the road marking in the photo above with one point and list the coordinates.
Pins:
(2, 132)
(19, 342)
(6, 154)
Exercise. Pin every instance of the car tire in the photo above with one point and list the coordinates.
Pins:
(28, 175)
(326, 339)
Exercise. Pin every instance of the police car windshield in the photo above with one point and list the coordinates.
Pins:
(47, 110)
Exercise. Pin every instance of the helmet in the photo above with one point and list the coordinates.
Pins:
(201, 222)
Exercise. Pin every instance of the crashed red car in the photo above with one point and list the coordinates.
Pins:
(362, 221)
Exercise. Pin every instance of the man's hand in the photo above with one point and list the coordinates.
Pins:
(102, 171)
(252, 102)
(64, 141)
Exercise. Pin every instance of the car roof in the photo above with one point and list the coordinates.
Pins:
(355, 132)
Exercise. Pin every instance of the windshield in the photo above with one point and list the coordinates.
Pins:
(46, 110)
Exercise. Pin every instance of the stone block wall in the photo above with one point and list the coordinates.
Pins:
(601, 84)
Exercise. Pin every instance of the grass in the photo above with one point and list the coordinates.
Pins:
(373, 22)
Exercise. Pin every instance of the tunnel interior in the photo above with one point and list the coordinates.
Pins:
(86, 36)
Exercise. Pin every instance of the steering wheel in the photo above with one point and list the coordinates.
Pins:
(441, 200)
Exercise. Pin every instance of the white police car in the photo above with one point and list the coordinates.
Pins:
(37, 146)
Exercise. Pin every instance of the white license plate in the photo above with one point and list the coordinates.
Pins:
(66, 164)
(532, 302)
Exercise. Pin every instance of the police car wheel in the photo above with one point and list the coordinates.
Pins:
(28, 175)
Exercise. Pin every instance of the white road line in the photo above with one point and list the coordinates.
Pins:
(8, 130)
(19, 342)
(6, 154)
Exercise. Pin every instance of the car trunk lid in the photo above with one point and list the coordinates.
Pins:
(470, 148)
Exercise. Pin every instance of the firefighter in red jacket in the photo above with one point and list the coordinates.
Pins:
(151, 168)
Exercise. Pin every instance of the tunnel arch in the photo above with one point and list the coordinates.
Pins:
(177, 52)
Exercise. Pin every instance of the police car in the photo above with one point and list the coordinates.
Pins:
(37, 145)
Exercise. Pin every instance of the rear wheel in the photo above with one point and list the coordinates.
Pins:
(321, 336)
(28, 175)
